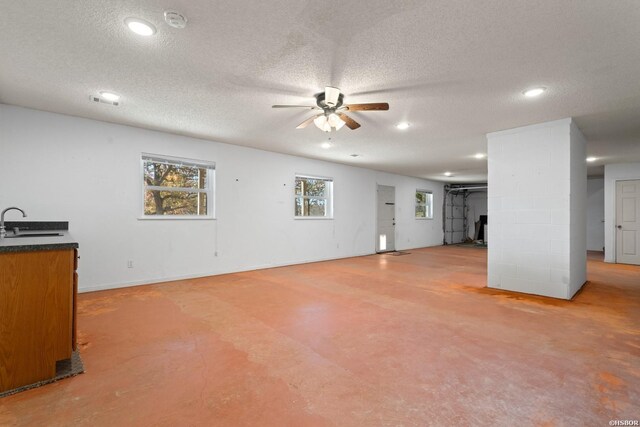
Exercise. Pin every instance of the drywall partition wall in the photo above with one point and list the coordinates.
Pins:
(595, 214)
(536, 208)
(613, 173)
(59, 167)
(577, 209)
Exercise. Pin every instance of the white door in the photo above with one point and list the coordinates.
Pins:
(386, 236)
(628, 222)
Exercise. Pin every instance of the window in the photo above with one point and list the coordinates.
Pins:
(177, 188)
(313, 197)
(424, 204)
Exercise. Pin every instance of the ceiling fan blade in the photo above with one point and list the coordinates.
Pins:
(307, 122)
(351, 124)
(311, 107)
(331, 95)
(376, 106)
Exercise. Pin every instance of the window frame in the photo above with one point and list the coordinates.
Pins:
(328, 196)
(428, 214)
(209, 189)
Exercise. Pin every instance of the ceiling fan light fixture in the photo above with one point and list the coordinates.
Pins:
(322, 123)
(335, 121)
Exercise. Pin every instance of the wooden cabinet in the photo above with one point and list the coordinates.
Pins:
(37, 314)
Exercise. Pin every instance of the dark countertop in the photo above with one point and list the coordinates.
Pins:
(37, 243)
(37, 225)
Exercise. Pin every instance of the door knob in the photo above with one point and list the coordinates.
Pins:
(619, 227)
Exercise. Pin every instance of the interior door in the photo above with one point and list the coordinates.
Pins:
(628, 222)
(386, 236)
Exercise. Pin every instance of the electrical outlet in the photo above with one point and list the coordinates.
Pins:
(129, 264)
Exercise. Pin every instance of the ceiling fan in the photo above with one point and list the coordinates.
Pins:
(333, 110)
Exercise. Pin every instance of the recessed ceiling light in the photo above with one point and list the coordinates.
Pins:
(533, 92)
(109, 96)
(403, 125)
(480, 156)
(591, 159)
(448, 174)
(140, 26)
(326, 145)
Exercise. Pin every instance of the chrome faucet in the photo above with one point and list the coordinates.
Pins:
(3, 232)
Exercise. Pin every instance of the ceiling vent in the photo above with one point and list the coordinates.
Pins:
(175, 19)
(100, 100)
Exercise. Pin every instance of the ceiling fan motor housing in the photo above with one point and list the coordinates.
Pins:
(320, 101)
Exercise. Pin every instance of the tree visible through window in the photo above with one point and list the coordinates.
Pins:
(175, 187)
(424, 204)
(313, 197)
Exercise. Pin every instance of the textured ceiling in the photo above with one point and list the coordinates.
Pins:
(454, 69)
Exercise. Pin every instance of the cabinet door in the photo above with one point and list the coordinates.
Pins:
(36, 296)
(74, 326)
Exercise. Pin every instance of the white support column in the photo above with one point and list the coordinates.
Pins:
(537, 209)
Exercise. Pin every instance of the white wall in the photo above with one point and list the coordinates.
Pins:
(578, 209)
(613, 173)
(59, 167)
(595, 214)
(536, 205)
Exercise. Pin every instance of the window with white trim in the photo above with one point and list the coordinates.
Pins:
(424, 204)
(176, 188)
(313, 197)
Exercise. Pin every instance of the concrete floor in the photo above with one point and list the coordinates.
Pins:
(378, 340)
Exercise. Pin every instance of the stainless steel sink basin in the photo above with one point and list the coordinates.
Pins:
(33, 235)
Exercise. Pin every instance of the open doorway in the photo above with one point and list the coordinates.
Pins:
(386, 230)
(465, 214)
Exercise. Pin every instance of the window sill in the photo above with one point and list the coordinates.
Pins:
(306, 218)
(175, 217)
(423, 218)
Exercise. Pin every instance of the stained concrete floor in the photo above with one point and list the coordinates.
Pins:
(371, 341)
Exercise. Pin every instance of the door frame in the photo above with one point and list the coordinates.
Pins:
(375, 231)
(615, 216)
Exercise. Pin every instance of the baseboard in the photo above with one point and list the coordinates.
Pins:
(151, 281)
